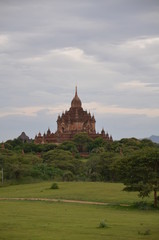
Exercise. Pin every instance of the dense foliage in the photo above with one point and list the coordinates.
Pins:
(132, 161)
(140, 172)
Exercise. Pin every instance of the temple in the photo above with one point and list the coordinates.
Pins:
(70, 123)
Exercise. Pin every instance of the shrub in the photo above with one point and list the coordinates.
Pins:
(68, 176)
(103, 224)
(54, 186)
(142, 205)
(146, 232)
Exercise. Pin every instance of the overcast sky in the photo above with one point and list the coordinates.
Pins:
(109, 49)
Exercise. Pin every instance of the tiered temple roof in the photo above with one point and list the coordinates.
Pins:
(74, 121)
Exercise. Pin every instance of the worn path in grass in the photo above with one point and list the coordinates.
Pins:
(60, 200)
(82, 191)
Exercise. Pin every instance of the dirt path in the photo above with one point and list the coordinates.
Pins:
(54, 200)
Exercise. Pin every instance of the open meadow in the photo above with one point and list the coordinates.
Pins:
(72, 221)
(87, 191)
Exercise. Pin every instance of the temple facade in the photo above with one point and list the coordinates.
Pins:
(72, 122)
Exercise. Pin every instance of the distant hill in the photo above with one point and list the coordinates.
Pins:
(154, 138)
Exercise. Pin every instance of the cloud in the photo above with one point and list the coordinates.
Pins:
(43, 78)
(141, 43)
(139, 86)
(94, 107)
(143, 49)
(75, 54)
(110, 50)
(25, 111)
(3, 40)
(32, 111)
(149, 17)
(114, 109)
(69, 53)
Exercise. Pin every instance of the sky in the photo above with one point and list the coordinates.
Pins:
(109, 49)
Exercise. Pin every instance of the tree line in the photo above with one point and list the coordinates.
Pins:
(131, 161)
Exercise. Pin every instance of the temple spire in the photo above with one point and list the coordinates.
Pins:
(76, 91)
(76, 102)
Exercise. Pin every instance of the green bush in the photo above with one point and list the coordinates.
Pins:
(54, 186)
(103, 224)
(68, 176)
(142, 205)
(146, 232)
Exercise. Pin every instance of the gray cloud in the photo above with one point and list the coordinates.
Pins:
(110, 49)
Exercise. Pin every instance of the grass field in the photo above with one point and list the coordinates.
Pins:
(39, 220)
(59, 221)
(92, 191)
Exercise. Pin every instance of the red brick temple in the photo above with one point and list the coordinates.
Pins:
(72, 122)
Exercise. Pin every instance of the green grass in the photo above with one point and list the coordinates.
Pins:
(64, 221)
(97, 191)
(39, 220)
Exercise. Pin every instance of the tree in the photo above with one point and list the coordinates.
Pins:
(57, 154)
(68, 146)
(140, 172)
(83, 142)
(100, 166)
(98, 142)
(64, 160)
